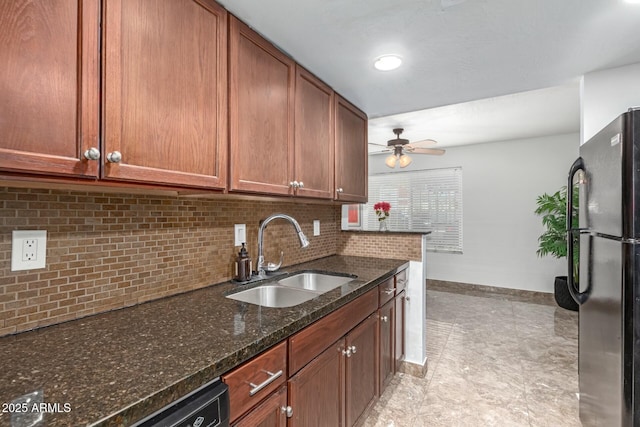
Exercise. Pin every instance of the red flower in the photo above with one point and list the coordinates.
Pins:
(382, 210)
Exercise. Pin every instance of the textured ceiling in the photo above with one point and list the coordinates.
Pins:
(454, 50)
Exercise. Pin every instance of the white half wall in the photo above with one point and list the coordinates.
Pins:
(501, 181)
(605, 95)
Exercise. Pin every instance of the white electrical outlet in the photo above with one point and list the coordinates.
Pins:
(316, 227)
(240, 234)
(28, 249)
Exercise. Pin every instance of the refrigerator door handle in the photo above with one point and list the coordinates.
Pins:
(572, 233)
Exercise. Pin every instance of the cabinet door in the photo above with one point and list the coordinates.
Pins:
(399, 346)
(314, 144)
(270, 413)
(316, 392)
(49, 86)
(360, 369)
(165, 85)
(261, 108)
(387, 361)
(351, 153)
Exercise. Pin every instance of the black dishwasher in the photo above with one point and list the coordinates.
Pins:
(207, 406)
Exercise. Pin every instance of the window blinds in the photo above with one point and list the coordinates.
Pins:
(424, 200)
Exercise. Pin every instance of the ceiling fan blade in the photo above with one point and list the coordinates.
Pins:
(433, 151)
(424, 143)
(379, 145)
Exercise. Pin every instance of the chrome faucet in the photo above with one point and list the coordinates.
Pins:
(304, 242)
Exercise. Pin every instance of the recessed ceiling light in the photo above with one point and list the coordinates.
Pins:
(387, 62)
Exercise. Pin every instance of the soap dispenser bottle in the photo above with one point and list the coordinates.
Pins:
(243, 265)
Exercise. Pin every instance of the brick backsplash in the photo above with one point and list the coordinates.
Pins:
(381, 245)
(107, 251)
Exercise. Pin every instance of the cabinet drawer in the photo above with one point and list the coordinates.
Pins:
(401, 281)
(387, 291)
(256, 379)
(312, 340)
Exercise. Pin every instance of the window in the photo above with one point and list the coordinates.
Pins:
(425, 200)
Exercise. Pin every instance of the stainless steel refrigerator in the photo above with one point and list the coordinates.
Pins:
(608, 288)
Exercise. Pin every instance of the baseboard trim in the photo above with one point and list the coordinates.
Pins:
(414, 369)
(493, 291)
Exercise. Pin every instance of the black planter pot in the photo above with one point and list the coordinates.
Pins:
(562, 295)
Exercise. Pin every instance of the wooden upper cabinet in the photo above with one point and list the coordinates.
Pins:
(314, 141)
(165, 85)
(261, 109)
(351, 179)
(49, 86)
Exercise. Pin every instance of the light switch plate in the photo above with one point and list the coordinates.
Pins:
(28, 249)
(316, 227)
(240, 234)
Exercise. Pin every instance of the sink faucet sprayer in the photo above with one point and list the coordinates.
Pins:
(304, 242)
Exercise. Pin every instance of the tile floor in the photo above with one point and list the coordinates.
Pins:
(494, 360)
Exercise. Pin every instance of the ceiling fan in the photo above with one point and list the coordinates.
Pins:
(400, 145)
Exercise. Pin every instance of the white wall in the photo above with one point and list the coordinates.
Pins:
(501, 181)
(605, 95)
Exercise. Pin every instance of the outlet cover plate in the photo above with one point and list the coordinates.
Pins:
(316, 227)
(28, 249)
(240, 234)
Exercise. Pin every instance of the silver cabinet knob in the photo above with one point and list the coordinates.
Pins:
(384, 318)
(287, 410)
(353, 349)
(114, 157)
(339, 190)
(294, 184)
(301, 184)
(347, 352)
(92, 154)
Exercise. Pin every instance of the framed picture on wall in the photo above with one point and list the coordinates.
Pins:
(354, 216)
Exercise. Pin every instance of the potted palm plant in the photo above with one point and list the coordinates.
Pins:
(553, 209)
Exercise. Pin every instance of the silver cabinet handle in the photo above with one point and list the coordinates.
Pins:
(301, 184)
(384, 318)
(92, 154)
(114, 157)
(288, 410)
(294, 184)
(353, 349)
(339, 190)
(402, 282)
(347, 352)
(389, 291)
(272, 377)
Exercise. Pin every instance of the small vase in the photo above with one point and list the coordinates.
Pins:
(382, 225)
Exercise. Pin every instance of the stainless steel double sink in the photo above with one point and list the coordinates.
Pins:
(291, 290)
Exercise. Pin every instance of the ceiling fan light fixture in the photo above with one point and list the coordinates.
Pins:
(391, 161)
(405, 161)
(387, 62)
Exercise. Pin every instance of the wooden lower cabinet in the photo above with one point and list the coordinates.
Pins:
(270, 413)
(399, 322)
(360, 369)
(386, 333)
(316, 392)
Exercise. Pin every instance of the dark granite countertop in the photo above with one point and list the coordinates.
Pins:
(117, 367)
(349, 230)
